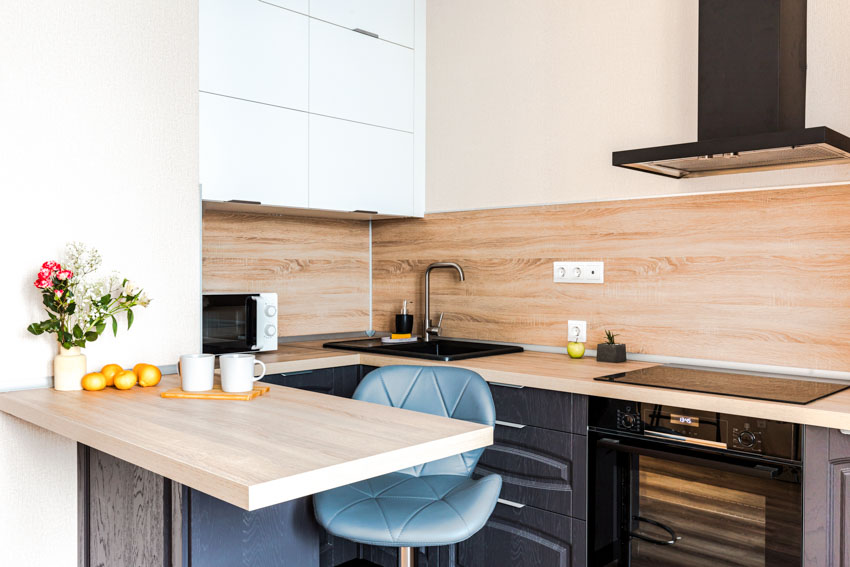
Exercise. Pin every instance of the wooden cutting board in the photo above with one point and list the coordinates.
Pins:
(216, 394)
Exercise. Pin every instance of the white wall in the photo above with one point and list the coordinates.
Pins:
(98, 111)
(527, 100)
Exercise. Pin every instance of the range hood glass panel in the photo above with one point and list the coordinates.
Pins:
(756, 158)
(812, 154)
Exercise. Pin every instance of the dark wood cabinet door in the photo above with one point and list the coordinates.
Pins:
(340, 381)
(539, 467)
(321, 381)
(542, 408)
(525, 537)
(826, 498)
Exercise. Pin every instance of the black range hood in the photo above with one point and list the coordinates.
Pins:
(752, 97)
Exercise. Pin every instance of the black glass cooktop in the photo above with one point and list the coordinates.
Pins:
(790, 390)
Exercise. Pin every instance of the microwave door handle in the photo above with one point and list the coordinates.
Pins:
(757, 470)
(252, 330)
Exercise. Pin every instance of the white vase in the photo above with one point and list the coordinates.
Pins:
(69, 367)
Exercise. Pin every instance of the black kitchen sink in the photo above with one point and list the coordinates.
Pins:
(439, 349)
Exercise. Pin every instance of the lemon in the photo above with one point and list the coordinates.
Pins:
(94, 381)
(110, 370)
(125, 379)
(149, 375)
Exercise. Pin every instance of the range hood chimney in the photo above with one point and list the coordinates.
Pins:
(752, 97)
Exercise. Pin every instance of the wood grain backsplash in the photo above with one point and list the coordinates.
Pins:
(758, 277)
(318, 267)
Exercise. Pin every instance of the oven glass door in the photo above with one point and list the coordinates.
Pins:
(669, 506)
(229, 323)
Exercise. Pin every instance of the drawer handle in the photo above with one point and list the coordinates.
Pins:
(510, 503)
(845, 431)
(365, 212)
(516, 387)
(364, 32)
(509, 424)
(244, 202)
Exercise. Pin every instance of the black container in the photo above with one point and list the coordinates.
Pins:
(607, 352)
(403, 324)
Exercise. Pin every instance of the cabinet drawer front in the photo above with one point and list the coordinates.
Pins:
(252, 151)
(539, 467)
(543, 408)
(391, 20)
(525, 537)
(254, 51)
(321, 381)
(355, 166)
(356, 77)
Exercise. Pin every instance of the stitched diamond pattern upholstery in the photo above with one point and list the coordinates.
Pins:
(450, 392)
(431, 504)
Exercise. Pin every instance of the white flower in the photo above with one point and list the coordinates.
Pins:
(131, 288)
(81, 259)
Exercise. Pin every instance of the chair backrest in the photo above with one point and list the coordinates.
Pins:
(438, 390)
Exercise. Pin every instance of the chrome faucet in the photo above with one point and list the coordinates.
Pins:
(435, 330)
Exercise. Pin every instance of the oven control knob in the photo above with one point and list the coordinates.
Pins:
(270, 330)
(629, 421)
(271, 310)
(746, 438)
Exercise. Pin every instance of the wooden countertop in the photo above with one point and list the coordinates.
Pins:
(561, 373)
(284, 445)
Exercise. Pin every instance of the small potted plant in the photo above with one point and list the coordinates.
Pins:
(610, 351)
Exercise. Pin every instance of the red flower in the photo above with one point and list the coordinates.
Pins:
(58, 293)
(42, 283)
(44, 274)
(52, 266)
(64, 275)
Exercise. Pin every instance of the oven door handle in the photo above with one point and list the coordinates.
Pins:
(673, 537)
(756, 470)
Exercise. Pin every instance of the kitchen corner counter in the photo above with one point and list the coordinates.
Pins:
(559, 372)
(281, 446)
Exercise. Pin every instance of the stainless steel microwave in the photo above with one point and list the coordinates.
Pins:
(239, 322)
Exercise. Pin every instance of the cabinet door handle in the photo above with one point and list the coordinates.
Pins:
(365, 212)
(364, 32)
(516, 387)
(845, 431)
(510, 503)
(509, 424)
(244, 202)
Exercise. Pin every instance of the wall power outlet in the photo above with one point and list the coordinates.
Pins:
(577, 328)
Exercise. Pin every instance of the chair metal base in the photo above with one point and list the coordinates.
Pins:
(406, 557)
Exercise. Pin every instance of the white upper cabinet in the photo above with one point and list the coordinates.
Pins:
(357, 77)
(392, 20)
(360, 167)
(252, 152)
(255, 51)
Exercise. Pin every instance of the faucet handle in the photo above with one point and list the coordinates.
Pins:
(440, 322)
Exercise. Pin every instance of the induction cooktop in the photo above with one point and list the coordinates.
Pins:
(757, 387)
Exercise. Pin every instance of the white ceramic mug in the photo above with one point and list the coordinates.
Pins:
(196, 372)
(237, 372)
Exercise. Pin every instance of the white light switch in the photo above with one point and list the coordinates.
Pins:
(579, 272)
(577, 331)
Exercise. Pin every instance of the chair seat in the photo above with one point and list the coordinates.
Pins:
(402, 510)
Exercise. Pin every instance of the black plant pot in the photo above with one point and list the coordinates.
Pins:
(606, 352)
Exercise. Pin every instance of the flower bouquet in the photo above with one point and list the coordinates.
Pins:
(79, 304)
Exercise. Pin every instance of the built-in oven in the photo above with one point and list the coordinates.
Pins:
(674, 487)
(239, 322)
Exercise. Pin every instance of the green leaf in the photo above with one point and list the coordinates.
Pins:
(104, 301)
(130, 318)
(35, 329)
(71, 308)
(99, 327)
(78, 332)
(67, 345)
(114, 326)
(91, 336)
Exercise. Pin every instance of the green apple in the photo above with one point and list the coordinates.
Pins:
(575, 350)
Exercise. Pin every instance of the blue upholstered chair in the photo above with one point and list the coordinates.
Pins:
(435, 503)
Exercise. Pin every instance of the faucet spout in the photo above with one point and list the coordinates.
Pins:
(429, 330)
